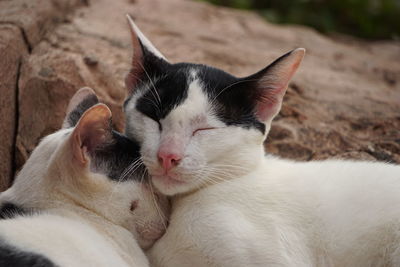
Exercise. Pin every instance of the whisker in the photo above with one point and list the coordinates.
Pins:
(160, 213)
(128, 170)
(155, 94)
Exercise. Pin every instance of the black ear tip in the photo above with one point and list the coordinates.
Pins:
(81, 101)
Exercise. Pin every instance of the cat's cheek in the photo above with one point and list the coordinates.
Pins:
(149, 148)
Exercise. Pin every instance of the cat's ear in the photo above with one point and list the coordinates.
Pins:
(91, 132)
(145, 54)
(271, 83)
(82, 100)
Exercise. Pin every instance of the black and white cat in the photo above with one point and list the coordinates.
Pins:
(201, 132)
(82, 198)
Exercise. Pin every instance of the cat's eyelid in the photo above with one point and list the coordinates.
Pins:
(204, 129)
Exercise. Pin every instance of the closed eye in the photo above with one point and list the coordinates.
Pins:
(203, 129)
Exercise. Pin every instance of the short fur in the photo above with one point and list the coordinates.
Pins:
(234, 206)
(69, 206)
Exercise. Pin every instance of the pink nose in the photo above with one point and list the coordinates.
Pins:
(168, 160)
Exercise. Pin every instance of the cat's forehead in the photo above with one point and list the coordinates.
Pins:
(193, 107)
(53, 140)
(181, 90)
(111, 159)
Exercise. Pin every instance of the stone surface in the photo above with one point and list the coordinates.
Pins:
(37, 17)
(344, 101)
(12, 48)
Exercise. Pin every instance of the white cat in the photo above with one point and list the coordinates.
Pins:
(82, 198)
(201, 132)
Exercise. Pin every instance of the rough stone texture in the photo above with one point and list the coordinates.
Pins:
(344, 102)
(12, 48)
(36, 17)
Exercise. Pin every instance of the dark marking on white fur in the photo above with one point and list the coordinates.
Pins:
(15, 257)
(119, 159)
(116, 157)
(10, 210)
(85, 104)
(233, 99)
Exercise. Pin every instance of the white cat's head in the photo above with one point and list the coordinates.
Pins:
(197, 124)
(88, 165)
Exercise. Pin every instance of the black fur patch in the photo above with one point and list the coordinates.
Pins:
(116, 157)
(9, 210)
(235, 99)
(119, 159)
(168, 90)
(14, 257)
(76, 114)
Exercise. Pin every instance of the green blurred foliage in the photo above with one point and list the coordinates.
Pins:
(373, 19)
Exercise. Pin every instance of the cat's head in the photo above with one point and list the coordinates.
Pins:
(197, 124)
(88, 165)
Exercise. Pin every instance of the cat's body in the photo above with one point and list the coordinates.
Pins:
(82, 198)
(67, 238)
(328, 213)
(201, 133)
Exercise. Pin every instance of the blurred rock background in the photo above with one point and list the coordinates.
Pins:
(344, 102)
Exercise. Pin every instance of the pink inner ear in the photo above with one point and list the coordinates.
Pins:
(135, 73)
(274, 84)
(94, 135)
(78, 151)
(266, 110)
(92, 130)
(133, 77)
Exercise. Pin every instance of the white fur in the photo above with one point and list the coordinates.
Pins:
(332, 213)
(72, 242)
(84, 218)
(236, 207)
(232, 206)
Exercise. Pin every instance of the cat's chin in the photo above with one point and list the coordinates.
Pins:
(170, 186)
(149, 234)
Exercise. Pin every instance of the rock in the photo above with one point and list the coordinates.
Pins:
(12, 49)
(49, 78)
(35, 18)
(279, 132)
(361, 155)
(90, 60)
(343, 102)
(290, 150)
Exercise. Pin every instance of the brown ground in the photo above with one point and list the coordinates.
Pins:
(344, 101)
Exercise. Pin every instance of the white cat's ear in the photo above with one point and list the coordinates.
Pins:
(82, 100)
(271, 83)
(93, 130)
(142, 49)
